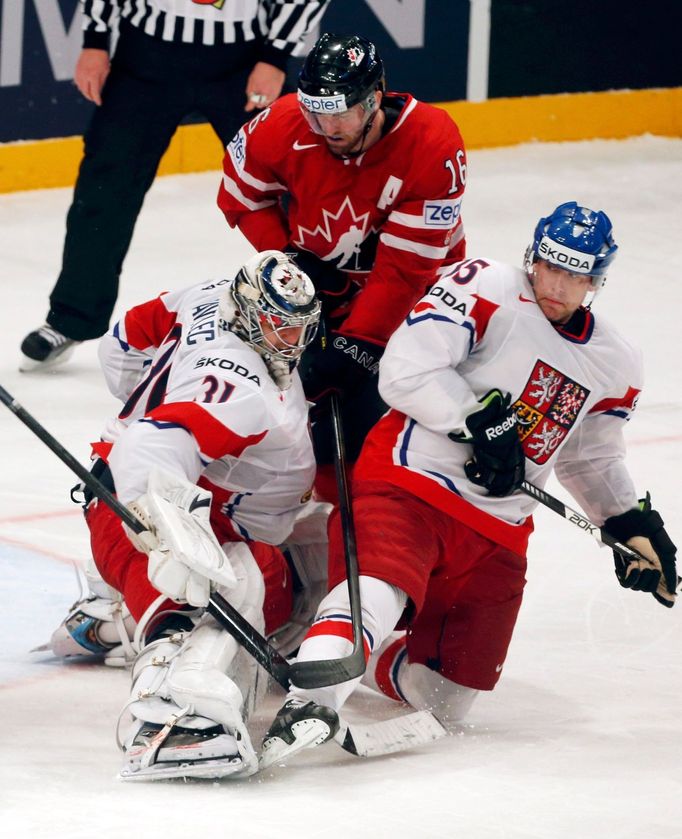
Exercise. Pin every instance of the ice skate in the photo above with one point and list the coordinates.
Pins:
(95, 626)
(188, 715)
(160, 752)
(44, 349)
(298, 725)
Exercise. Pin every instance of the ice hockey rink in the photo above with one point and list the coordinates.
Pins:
(582, 738)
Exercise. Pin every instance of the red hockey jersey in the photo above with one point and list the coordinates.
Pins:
(390, 217)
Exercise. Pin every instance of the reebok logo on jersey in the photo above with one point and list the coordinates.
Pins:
(501, 428)
(230, 366)
(300, 146)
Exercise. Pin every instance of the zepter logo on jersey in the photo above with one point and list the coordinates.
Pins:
(236, 149)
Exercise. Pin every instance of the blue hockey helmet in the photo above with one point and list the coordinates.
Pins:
(575, 238)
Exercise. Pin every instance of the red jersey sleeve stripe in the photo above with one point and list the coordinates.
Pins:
(215, 439)
(626, 402)
(481, 313)
(148, 324)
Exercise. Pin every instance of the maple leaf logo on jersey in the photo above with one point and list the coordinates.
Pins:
(548, 408)
(339, 238)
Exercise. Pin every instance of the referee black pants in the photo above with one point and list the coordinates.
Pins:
(152, 86)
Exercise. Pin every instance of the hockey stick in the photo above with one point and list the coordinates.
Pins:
(362, 740)
(226, 615)
(309, 674)
(576, 518)
(389, 736)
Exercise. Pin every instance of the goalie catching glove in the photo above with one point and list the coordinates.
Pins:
(184, 554)
(642, 529)
(499, 461)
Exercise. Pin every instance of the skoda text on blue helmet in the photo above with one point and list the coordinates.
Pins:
(340, 71)
(577, 239)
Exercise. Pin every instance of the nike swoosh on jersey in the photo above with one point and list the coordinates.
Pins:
(298, 147)
(525, 299)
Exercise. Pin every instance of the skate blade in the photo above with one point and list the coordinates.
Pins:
(309, 733)
(30, 365)
(209, 770)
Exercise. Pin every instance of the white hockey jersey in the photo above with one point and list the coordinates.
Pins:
(480, 328)
(200, 402)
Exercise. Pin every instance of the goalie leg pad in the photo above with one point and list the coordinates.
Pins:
(188, 712)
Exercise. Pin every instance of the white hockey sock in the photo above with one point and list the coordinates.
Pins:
(331, 633)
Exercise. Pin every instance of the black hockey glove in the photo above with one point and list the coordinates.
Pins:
(333, 286)
(340, 364)
(642, 529)
(499, 462)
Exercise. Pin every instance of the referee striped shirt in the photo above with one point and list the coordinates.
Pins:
(280, 24)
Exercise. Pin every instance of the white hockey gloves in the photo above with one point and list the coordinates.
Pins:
(184, 554)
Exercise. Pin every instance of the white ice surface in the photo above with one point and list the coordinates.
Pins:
(582, 737)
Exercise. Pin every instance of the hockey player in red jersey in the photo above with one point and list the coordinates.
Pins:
(364, 188)
(497, 375)
(212, 451)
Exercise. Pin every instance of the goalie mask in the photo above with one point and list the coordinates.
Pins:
(576, 239)
(276, 310)
(339, 76)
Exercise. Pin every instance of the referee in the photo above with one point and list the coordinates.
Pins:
(220, 58)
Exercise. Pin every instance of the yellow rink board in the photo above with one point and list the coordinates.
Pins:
(496, 122)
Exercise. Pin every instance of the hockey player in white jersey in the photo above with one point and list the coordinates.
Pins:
(497, 374)
(212, 451)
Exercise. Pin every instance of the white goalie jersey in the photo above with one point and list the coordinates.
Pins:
(199, 402)
(477, 329)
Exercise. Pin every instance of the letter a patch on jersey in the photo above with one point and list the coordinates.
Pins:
(548, 408)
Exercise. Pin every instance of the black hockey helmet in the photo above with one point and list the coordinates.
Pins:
(345, 66)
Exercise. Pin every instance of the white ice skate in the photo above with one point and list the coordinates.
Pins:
(98, 625)
(187, 713)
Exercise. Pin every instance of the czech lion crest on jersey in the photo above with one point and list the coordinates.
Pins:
(548, 408)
